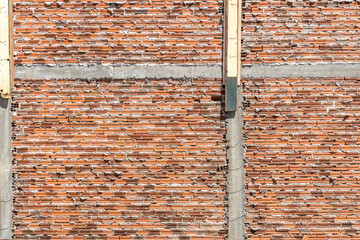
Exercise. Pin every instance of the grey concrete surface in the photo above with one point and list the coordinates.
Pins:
(303, 70)
(184, 71)
(117, 72)
(5, 170)
(236, 173)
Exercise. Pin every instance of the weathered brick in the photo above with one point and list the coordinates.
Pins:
(110, 32)
(302, 158)
(141, 159)
(300, 31)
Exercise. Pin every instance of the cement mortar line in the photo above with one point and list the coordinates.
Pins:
(47, 72)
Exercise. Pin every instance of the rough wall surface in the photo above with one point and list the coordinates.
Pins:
(129, 159)
(299, 31)
(118, 32)
(302, 152)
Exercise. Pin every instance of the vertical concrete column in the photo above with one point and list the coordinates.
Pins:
(5, 170)
(236, 173)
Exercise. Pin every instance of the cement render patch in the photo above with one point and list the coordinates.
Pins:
(184, 71)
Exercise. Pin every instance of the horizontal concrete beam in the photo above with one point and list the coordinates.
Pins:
(351, 70)
(117, 72)
(185, 71)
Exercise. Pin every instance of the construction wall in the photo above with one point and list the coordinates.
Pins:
(118, 32)
(107, 147)
(301, 119)
(110, 152)
(302, 143)
(300, 31)
(119, 158)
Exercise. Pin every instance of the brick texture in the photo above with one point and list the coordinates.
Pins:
(302, 152)
(119, 159)
(300, 31)
(117, 32)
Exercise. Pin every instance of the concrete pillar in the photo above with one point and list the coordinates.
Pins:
(236, 173)
(5, 170)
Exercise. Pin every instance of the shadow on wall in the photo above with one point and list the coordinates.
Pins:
(4, 103)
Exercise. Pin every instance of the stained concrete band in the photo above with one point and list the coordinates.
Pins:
(351, 70)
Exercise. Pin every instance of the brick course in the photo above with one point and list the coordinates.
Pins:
(114, 159)
(118, 32)
(302, 31)
(302, 153)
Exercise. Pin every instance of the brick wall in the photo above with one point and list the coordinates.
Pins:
(123, 158)
(117, 32)
(302, 152)
(135, 32)
(300, 31)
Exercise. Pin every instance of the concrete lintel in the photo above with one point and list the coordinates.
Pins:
(351, 70)
(5, 170)
(117, 72)
(236, 172)
(157, 71)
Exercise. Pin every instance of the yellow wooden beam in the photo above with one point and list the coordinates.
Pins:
(232, 53)
(5, 49)
(232, 42)
(239, 42)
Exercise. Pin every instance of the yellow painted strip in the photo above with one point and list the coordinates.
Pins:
(5, 76)
(232, 38)
(239, 42)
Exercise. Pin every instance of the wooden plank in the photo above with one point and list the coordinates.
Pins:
(239, 42)
(4, 50)
(232, 19)
(231, 54)
(11, 43)
(225, 42)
